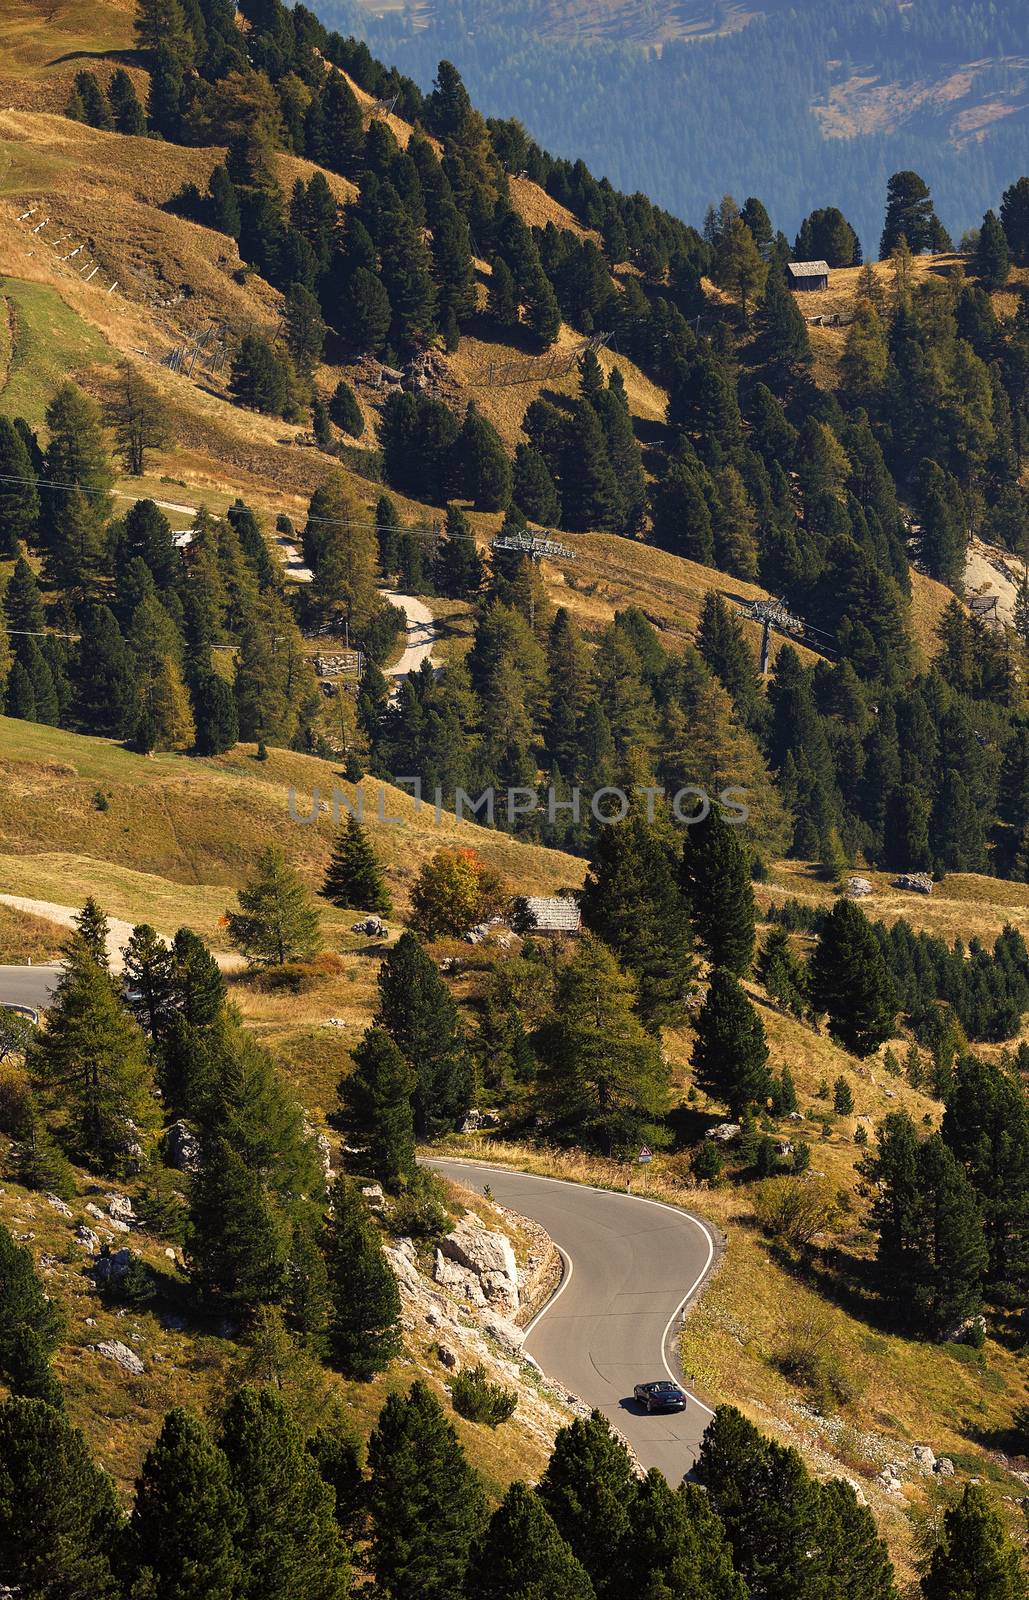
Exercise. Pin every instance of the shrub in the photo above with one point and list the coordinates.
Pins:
(795, 1209)
(419, 1213)
(706, 1162)
(478, 1400)
(807, 1358)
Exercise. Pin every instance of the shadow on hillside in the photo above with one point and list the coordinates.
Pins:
(847, 1281)
(125, 58)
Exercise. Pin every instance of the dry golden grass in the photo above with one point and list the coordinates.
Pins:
(24, 937)
(963, 906)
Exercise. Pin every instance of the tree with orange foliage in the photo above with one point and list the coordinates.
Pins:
(455, 890)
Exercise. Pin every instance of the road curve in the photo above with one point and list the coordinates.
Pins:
(631, 1266)
(28, 987)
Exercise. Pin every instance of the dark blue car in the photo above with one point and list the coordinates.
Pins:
(661, 1396)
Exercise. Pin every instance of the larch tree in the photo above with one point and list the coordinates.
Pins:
(602, 1080)
(138, 418)
(276, 921)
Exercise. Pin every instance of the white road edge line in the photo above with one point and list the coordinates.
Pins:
(687, 1216)
(566, 1278)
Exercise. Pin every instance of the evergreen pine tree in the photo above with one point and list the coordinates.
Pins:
(522, 1555)
(337, 1451)
(730, 1056)
(425, 1502)
(289, 1543)
(992, 262)
(59, 1514)
(677, 1536)
(533, 489)
(223, 202)
(179, 1541)
(717, 884)
(986, 1126)
(236, 1241)
(345, 411)
(19, 497)
(354, 877)
(855, 1559)
(417, 1011)
(90, 1066)
(31, 1327)
(849, 981)
(214, 714)
(129, 116)
(481, 464)
(104, 681)
(23, 602)
(364, 1320)
(589, 1489)
(783, 975)
(590, 495)
(975, 1559)
(632, 902)
(148, 979)
(276, 921)
(376, 1098)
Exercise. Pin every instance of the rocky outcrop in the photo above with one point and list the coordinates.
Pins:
(479, 1265)
(181, 1147)
(120, 1353)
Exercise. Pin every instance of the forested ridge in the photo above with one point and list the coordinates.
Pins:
(696, 989)
(658, 121)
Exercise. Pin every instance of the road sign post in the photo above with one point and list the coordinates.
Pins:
(643, 1160)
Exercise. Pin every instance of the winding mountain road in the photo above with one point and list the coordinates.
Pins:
(631, 1267)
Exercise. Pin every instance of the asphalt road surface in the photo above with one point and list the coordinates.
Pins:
(631, 1265)
(28, 986)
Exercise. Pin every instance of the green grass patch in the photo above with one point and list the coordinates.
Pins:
(50, 342)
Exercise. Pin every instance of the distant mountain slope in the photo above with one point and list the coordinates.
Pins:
(792, 104)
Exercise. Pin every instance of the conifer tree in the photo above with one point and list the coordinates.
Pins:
(975, 1557)
(602, 1080)
(289, 1543)
(849, 981)
(19, 496)
(481, 464)
(345, 411)
(717, 884)
(223, 202)
(768, 1505)
(677, 1536)
(276, 921)
(417, 1011)
(23, 602)
(59, 1514)
(106, 699)
(855, 1559)
(31, 1327)
(30, 657)
(522, 1554)
(214, 714)
(632, 902)
(129, 116)
(783, 975)
(95, 109)
(730, 1056)
(337, 1452)
(236, 1241)
(590, 495)
(589, 1489)
(364, 1319)
(90, 1066)
(148, 978)
(992, 261)
(425, 1502)
(138, 416)
(198, 988)
(533, 489)
(179, 1543)
(76, 456)
(376, 1098)
(354, 877)
(986, 1125)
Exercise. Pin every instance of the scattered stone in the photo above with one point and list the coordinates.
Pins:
(181, 1147)
(118, 1225)
(59, 1205)
(118, 1205)
(374, 927)
(460, 1280)
(446, 1356)
(725, 1133)
(373, 1195)
(336, 1022)
(919, 882)
(924, 1457)
(111, 1267)
(170, 1253)
(890, 1480)
(114, 1350)
(858, 887)
(95, 1211)
(85, 1236)
(944, 1466)
(971, 1331)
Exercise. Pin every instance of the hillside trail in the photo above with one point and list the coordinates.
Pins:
(118, 931)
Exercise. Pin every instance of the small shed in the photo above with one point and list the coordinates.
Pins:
(808, 274)
(553, 914)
